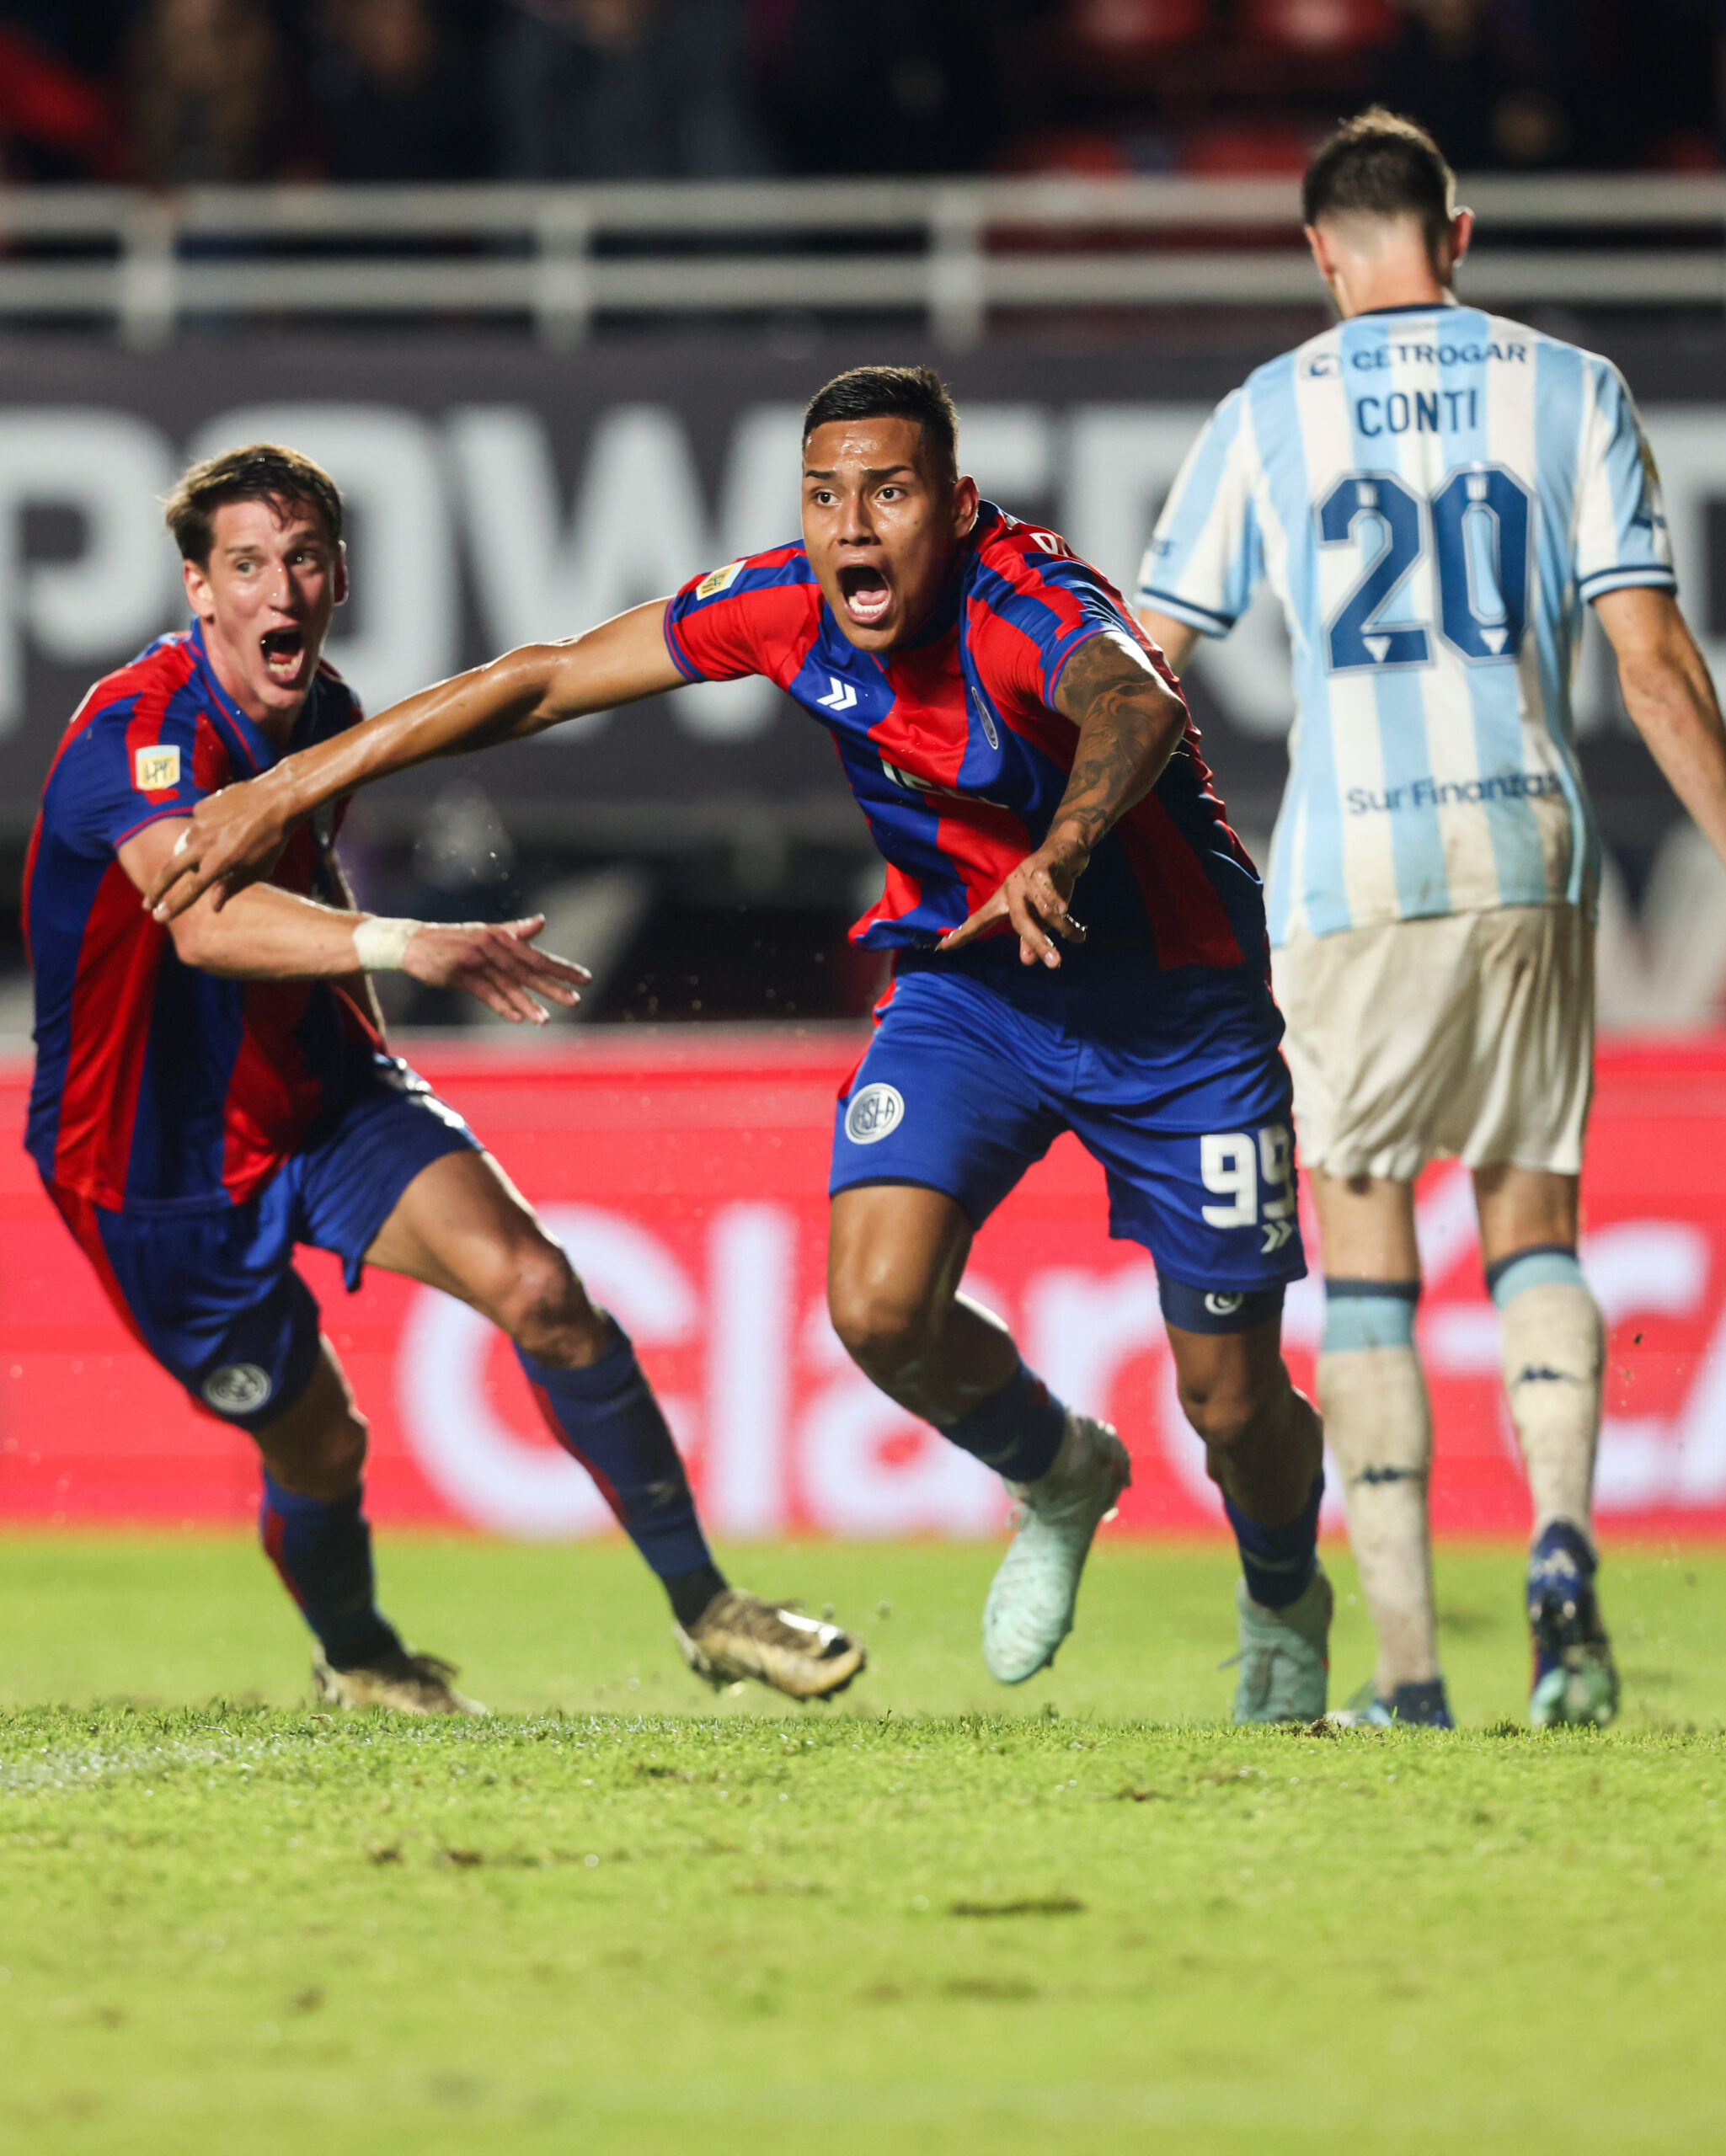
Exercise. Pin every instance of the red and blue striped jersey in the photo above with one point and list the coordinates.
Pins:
(155, 1083)
(957, 756)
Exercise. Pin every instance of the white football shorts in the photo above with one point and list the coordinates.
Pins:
(1470, 1034)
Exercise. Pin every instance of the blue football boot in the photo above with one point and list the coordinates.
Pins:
(1415, 1706)
(1576, 1679)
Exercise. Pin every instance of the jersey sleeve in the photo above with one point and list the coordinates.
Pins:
(1206, 556)
(131, 765)
(1620, 525)
(1031, 609)
(744, 618)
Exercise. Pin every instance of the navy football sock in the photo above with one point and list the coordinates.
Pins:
(1277, 1561)
(691, 1592)
(323, 1551)
(1016, 1431)
(606, 1417)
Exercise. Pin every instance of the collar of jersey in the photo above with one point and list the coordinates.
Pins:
(1407, 307)
(259, 752)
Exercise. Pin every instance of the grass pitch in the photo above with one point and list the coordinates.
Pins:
(1079, 1918)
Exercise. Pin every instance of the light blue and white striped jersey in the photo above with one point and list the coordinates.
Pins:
(1433, 494)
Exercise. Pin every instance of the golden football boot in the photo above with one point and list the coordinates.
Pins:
(739, 1635)
(400, 1682)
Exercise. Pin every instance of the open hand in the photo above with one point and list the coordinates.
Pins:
(497, 963)
(1034, 899)
(234, 839)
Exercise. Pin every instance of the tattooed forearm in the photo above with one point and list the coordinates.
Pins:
(1130, 724)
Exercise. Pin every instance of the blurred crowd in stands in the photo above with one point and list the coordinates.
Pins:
(174, 91)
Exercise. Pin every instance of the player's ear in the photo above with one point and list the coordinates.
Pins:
(1461, 232)
(965, 506)
(196, 577)
(341, 571)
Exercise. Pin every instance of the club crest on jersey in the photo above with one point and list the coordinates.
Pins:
(720, 579)
(157, 770)
(236, 1388)
(872, 1113)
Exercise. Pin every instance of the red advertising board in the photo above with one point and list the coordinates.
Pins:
(687, 1175)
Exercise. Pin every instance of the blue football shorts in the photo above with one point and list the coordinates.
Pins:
(1175, 1081)
(211, 1290)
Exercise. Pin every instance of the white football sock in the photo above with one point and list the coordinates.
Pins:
(1379, 1425)
(1554, 1361)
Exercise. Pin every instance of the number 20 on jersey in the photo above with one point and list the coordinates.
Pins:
(1480, 522)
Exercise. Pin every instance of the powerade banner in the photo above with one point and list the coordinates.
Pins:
(500, 493)
(686, 1177)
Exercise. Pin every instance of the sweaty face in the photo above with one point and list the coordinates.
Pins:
(882, 523)
(264, 597)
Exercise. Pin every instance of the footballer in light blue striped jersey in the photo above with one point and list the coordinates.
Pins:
(1435, 493)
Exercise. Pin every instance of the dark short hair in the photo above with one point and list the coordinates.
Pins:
(262, 471)
(916, 393)
(1380, 165)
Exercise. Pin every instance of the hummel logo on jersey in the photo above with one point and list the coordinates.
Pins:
(1276, 1234)
(839, 697)
(157, 770)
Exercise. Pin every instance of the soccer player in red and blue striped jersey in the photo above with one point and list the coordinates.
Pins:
(212, 1091)
(1008, 732)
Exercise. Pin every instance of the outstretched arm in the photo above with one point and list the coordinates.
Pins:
(1130, 723)
(1668, 694)
(268, 934)
(235, 835)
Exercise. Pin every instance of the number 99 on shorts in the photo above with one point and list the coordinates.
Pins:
(1254, 1170)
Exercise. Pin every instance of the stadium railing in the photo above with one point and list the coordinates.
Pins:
(558, 258)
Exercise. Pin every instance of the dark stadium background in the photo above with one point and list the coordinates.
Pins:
(712, 876)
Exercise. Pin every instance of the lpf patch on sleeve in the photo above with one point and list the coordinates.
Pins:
(157, 770)
(719, 580)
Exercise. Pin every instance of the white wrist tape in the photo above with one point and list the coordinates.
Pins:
(380, 944)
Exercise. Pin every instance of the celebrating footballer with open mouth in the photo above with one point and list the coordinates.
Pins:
(1078, 943)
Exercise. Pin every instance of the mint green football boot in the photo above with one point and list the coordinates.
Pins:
(1029, 1611)
(1285, 1655)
